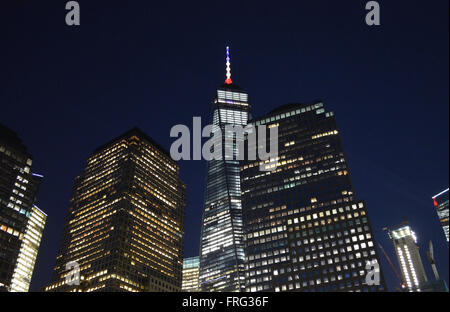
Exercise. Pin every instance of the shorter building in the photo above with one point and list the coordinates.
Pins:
(190, 274)
(408, 255)
(441, 204)
(125, 225)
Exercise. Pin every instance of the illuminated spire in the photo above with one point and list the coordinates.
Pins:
(228, 80)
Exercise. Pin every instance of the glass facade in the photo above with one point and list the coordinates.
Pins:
(190, 274)
(221, 244)
(21, 221)
(305, 230)
(442, 206)
(125, 225)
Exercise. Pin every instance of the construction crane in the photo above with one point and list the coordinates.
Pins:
(399, 277)
(430, 254)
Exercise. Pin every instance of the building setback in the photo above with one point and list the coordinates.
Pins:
(125, 225)
(190, 274)
(21, 221)
(408, 255)
(221, 244)
(305, 230)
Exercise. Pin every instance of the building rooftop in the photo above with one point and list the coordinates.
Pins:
(11, 138)
(231, 87)
(290, 106)
(138, 132)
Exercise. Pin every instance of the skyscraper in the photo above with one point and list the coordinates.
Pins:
(305, 229)
(221, 246)
(21, 221)
(190, 274)
(125, 226)
(408, 255)
(441, 204)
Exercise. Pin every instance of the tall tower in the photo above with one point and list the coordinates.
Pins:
(408, 255)
(441, 204)
(125, 226)
(305, 229)
(21, 221)
(221, 246)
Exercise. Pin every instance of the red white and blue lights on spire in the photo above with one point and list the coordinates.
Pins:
(228, 80)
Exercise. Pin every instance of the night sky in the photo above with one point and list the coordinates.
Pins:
(67, 90)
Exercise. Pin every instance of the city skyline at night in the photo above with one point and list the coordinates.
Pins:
(66, 90)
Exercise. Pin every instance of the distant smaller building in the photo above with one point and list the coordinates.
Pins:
(190, 274)
(408, 255)
(441, 204)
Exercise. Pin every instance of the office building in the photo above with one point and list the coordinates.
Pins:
(21, 221)
(305, 229)
(408, 255)
(190, 274)
(125, 225)
(441, 205)
(221, 244)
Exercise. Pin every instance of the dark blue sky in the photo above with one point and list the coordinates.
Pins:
(67, 90)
